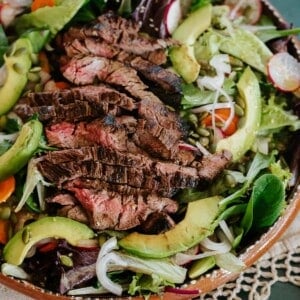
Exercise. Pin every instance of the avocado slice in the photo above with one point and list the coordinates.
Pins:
(17, 63)
(199, 222)
(17, 156)
(18, 246)
(183, 57)
(242, 140)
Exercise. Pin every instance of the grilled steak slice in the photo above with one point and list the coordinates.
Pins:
(89, 69)
(110, 210)
(77, 111)
(122, 33)
(135, 170)
(108, 132)
(99, 184)
(98, 47)
(158, 130)
(91, 93)
(75, 104)
(162, 77)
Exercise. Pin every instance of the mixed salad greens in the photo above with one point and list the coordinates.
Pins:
(239, 94)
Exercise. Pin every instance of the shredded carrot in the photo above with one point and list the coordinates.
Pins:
(4, 230)
(221, 115)
(36, 4)
(62, 85)
(7, 187)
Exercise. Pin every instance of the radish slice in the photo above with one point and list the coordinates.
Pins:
(284, 72)
(172, 16)
(250, 10)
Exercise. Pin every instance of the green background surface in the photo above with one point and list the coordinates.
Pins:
(290, 10)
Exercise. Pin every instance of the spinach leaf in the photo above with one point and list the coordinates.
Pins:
(259, 163)
(266, 203)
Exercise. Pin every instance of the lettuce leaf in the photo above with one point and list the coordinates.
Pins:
(275, 117)
(52, 18)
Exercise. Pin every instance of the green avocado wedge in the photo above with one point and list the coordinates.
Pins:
(199, 222)
(242, 140)
(17, 156)
(48, 227)
(18, 63)
(183, 57)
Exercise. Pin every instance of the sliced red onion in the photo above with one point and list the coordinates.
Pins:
(182, 291)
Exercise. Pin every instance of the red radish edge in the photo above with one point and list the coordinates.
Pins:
(255, 10)
(284, 72)
(172, 16)
(181, 291)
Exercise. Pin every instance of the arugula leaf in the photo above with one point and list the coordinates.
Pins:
(266, 203)
(270, 34)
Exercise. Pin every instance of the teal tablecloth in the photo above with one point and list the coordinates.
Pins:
(290, 10)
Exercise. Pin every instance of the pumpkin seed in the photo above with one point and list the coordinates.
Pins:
(203, 132)
(239, 111)
(66, 260)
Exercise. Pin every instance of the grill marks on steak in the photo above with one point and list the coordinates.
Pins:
(106, 38)
(138, 172)
(120, 32)
(119, 160)
(75, 104)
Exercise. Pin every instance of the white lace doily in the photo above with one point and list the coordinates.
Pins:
(280, 264)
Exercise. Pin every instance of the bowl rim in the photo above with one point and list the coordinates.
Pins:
(211, 281)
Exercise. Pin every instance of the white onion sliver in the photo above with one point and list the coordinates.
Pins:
(89, 290)
(220, 246)
(226, 231)
(108, 246)
(221, 63)
(102, 267)
(15, 271)
(211, 107)
(202, 149)
(181, 258)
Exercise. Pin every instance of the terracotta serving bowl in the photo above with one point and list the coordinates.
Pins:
(216, 278)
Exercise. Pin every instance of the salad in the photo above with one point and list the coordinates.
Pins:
(142, 144)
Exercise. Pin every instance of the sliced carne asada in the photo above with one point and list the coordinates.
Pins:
(122, 33)
(98, 47)
(160, 76)
(110, 210)
(74, 104)
(105, 132)
(90, 69)
(99, 184)
(116, 167)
